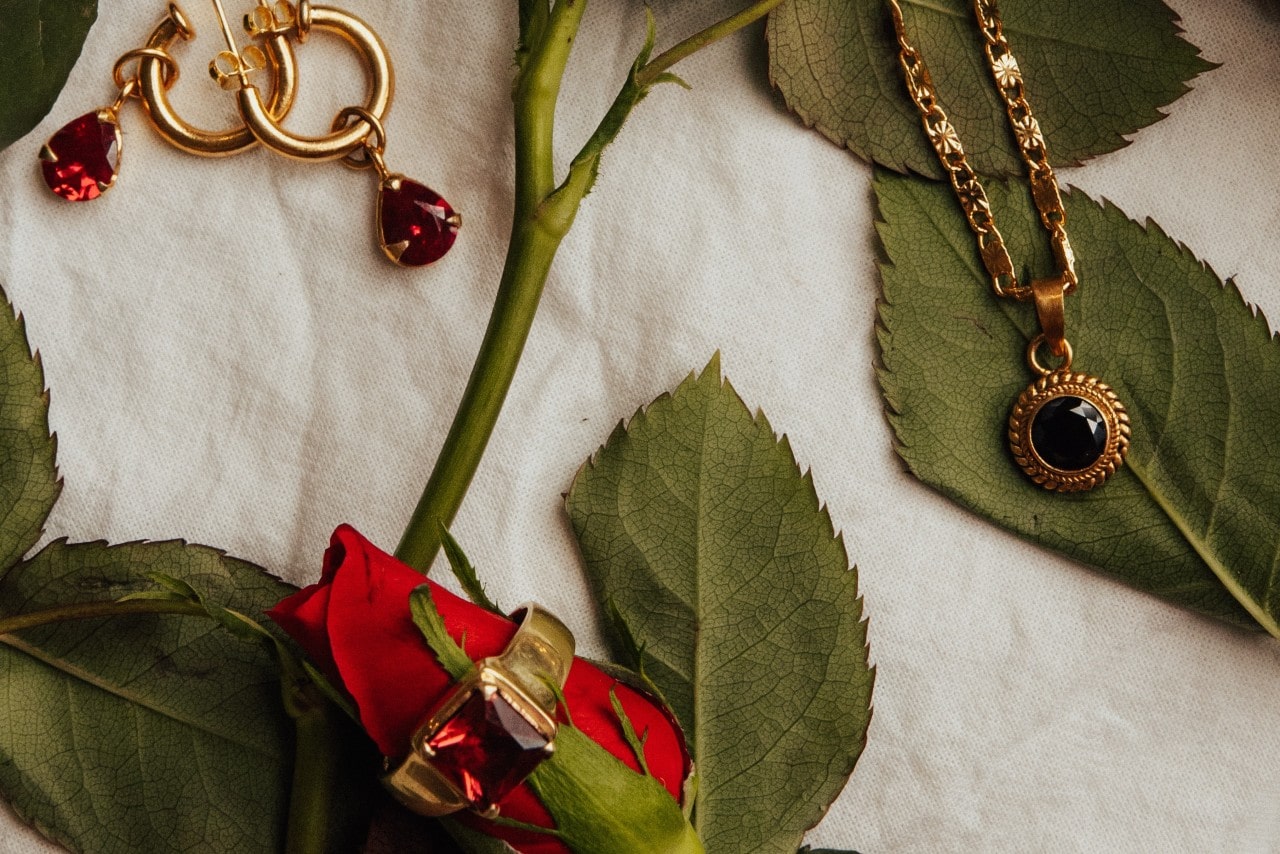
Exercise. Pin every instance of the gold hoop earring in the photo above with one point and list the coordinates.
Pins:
(194, 140)
(81, 161)
(415, 226)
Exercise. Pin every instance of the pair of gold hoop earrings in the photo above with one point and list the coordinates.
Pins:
(415, 226)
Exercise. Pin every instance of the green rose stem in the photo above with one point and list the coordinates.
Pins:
(95, 610)
(325, 812)
(543, 215)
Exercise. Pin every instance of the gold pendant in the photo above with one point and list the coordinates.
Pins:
(1068, 431)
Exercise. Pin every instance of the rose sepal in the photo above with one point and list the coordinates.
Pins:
(601, 806)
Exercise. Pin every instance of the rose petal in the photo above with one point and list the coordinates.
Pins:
(381, 657)
(303, 617)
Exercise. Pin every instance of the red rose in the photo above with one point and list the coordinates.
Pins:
(356, 626)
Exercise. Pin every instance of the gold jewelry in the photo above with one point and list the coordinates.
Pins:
(493, 728)
(82, 160)
(1068, 431)
(284, 77)
(415, 226)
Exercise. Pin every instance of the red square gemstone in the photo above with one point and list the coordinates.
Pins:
(487, 748)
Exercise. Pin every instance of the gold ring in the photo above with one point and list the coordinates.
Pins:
(154, 80)
(372, 157)
(493, 728)
(169, 67)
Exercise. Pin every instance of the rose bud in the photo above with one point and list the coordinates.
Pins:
(356, 626)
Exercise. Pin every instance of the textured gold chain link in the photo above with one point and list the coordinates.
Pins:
(946, 142)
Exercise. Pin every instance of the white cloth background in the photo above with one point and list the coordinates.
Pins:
(232, 361)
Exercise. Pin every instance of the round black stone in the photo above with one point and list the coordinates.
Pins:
(1069, 433)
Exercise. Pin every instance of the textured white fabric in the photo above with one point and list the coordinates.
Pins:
(232, 361)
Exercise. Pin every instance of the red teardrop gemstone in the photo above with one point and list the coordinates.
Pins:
(80, 161)
(415, 224)
(487, 748)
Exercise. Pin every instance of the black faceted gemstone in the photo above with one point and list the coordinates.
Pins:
(1069, 433)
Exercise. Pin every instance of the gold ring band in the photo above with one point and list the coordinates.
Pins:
(503, 712)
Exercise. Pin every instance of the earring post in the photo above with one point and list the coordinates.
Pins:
(231, 42)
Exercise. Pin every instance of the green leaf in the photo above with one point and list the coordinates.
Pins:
(29, 483)
(601, 806)
(1096, 71)
(1194, 515)
(634, 740)
(426, 617)
(157, 734)
(39, 43)
(697, 524)
(466, 573)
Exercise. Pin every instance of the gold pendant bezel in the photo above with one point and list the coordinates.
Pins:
(1063, 383)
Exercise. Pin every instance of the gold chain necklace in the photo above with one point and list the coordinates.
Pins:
(1068, 431)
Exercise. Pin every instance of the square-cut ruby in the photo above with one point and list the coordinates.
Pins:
(487, 748)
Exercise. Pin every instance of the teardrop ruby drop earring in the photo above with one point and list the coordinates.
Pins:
(81, 161)
(415, 226)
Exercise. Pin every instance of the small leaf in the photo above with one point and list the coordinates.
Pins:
(1096, 71)
(175, 585)
(157, 734)
(627, 646)
(631, 652)
(1194, 515)
(29, 483)
(428, 620)
(634, 740)
(466, 573)
(696, 522)
(671, 77)
(39, 44)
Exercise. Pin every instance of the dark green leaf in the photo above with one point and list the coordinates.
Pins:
(156, 734)
(696, 522)
(29, 483)
(1095, 70)
(428, 620)
(40, 41)
(1194, 516)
